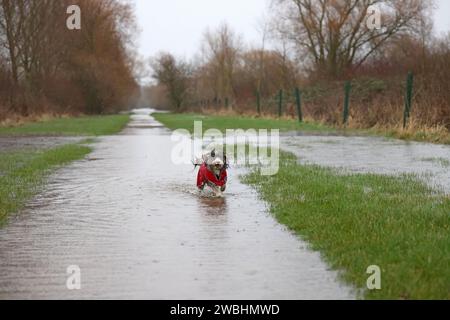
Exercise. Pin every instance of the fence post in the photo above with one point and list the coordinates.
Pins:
(348, 87)
(258, 102)
(280, 104)
(298, 98)
(408, 99)
(227, 102)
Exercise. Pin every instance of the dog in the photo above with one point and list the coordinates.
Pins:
(213, 172)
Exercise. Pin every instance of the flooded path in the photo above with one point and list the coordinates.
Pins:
(134, 224)
(428, 161)
(11, 144)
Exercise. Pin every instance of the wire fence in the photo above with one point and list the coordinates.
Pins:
(277, 104)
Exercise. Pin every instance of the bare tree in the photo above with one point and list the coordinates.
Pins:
(279, 71)
(221, 50)
(174, 75)
(10, 32)
(333, 34)
(49, 63)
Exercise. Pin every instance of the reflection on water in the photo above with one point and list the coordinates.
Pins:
(215, 206)
(138, 229)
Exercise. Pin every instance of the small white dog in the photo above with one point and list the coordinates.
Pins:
(213, 172)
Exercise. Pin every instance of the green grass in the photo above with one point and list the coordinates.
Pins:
(359, 220)
(23, 173)
(186, 121)
(82, 126)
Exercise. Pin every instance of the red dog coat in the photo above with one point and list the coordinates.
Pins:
(206, 176)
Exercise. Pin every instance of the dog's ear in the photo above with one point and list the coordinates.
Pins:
(225, 161)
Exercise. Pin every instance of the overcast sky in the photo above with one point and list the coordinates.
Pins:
(177, 26)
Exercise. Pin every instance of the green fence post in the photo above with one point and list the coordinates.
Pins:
(298, 98)
(280, 104)
(348, 87)
(408, 99)
(258, 102)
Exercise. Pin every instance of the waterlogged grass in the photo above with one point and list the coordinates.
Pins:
(82, 126)
(443, 162)
(433, 135)
(23, 173)
(186, 121)
(359, 220)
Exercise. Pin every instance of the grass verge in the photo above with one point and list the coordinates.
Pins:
(186, 121)
(82, 126)
(433, 135)
(22, 173)
(359, 220)
(222, 122)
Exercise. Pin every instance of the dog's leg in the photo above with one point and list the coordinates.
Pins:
(218, 193)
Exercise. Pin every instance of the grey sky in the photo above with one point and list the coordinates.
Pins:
(177, 26)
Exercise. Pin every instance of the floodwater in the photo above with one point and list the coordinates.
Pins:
(429, 162)
(8, 144)
(136, 227)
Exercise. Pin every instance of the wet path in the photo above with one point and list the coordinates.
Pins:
(376, 155)
(134, 225)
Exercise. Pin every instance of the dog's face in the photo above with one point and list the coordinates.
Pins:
(216, 160)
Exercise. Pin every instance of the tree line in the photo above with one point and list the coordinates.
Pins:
(45, 67)
(317, 45)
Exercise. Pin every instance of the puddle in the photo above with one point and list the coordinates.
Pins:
(375, 155)
(8, 144)
(138, 229)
